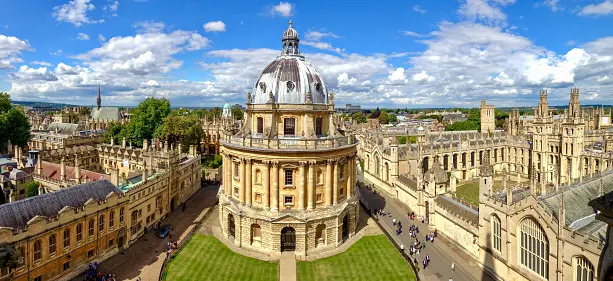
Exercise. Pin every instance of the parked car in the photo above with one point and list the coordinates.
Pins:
(164, 231)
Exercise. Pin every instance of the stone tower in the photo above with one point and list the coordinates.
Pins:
(488, 118)
(573, 127)
(486, 176)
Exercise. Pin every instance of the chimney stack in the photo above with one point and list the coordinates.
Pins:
(39, 166)
(77, 168)
(123, 142)
(115, 176)
(63, 169)
(145, 174)
(145, 145)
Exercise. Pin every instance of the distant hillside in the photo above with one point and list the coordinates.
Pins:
(41, 104)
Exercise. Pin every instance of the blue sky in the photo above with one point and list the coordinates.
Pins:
(374, 53)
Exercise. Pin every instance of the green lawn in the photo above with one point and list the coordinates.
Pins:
(470, 191)
(206, 258)
(370, 259)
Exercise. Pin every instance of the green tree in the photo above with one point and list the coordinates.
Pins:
(14, 125)
(184, 129)
(215, 112)
(114, 132)
(212, 161)
(237, 113)
(463, 126)
(32, 189)
(383, 117)
(391, 118)
(375, 114)
(359, 117)
(147, 120)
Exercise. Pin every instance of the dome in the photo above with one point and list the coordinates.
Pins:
(290, 78)
(227, 106)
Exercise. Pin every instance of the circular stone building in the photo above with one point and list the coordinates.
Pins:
(289, 173)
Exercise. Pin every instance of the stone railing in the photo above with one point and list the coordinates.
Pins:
(291, 142)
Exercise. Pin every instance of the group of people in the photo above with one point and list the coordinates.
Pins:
(93, 274)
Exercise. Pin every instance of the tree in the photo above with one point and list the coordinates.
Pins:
(383, 117)
(391, 118)
(184, 129)
(114, 132)
(14, 125)
(215, 112)
(237, 113)
(212, 161)
(9, 257)
(32, 189)
(463, 126)
(375, 113)
(359, 117)
(147, 120)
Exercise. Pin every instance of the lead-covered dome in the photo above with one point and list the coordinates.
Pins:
(290, 79)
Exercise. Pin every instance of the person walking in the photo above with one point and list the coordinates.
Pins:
(452, 267)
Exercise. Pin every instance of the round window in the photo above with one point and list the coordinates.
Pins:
(318, 86)
(263, 86)
(290, 85)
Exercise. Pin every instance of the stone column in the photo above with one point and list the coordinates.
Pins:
(311, 184)
(275, 186)
(328, 195)
(242, 180)
(301, 185)
(266, 186)
(227, 173)
(335, 180)
(350, 176)
(249, 182)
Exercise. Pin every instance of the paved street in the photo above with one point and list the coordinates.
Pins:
(441, 252)
(145, 257)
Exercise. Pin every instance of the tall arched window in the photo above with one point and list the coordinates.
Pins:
(38, 251)
(496, 233)
(584, 269)
(52, 241)
(79, 232)
(534, 248)
(101, 223)
(66, 237)
(90, 228)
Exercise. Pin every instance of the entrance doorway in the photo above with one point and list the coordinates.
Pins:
(345, 233)
(120, 242)
(172, 204)
(231, 226)
(288, 239)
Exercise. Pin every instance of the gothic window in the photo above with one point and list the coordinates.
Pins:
(318, 126)
(79, 232)
(289, 180)
(260, 125)
(121, 215)
(52, 241)
(534, 248)
(66, 237)
(584, 269)
(38, 250)
(496, 234)
(289, 126)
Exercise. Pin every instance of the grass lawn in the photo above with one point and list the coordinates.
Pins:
(372, 258)
(206, 258)
(470, 191)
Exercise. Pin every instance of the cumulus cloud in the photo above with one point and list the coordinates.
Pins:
(343, 80)
(482, 10)
(418, 9)
(82, 36)
(318, 35)
(26, 73)
(149, 26)
(10, 49)
(398, 76)
(75, 12)
(214, 26)
(101, 38)
(601, 9)
(284, 9)
(422, 77)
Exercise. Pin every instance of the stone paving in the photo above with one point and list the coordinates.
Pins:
(145, 257)
(442, 252)
(287, 267)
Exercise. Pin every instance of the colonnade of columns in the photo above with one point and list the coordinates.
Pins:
(272, 195)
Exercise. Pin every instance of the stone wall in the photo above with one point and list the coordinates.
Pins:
(457, 230)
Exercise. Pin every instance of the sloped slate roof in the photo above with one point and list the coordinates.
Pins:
(518, 195)
(54, 171)
(457, 208)
(106, 113)
(18, 213)
(404, 179)
(64, 128)
(576, 198)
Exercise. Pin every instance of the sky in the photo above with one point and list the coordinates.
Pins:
(430, 53)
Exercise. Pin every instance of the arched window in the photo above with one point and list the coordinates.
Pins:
(584, 269)
(534, 248)
(111, 219)
(320, 176)
(38, 254)
(496, 233)
(256, 235)
(387, 172)
(101, 223)
(320, 235)
(79, 232)
(66, 237)
(52, 241)
(90, 228)
(121, 215)
(258, 176)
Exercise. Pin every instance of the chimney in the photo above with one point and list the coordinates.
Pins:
(145, 145)
(112, 141)
(77, 168)
(123, 142)
(41, 189)
(115, 176)
(39, 166)
(63, 169)
(165, 146)
(145, 174)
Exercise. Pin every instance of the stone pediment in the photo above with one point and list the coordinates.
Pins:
(288, 219)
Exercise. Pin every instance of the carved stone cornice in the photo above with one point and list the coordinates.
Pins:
(275, 163)
(303, 163)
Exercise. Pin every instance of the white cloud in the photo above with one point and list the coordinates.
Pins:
(26, 73)
(284, 9)
(149, 26)
(482, 10)
(75, 12)
(344, 80)
(322, 46)
(600, 9)
(101, 38)
(214, 26)
(82, 36)
(113, 7)
(552, 4)
(397, 76)
(411, 33)
(418, 9)
(422, 77)
(571, 43)
(10, 49)
(317, 35)
(42, 63)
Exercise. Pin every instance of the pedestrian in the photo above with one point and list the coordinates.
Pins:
(452, 267)
(394, 221)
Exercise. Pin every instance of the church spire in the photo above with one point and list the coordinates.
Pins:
(98, 99)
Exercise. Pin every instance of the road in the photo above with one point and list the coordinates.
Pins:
(442, 252)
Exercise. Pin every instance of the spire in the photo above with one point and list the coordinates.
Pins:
(98, 99)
